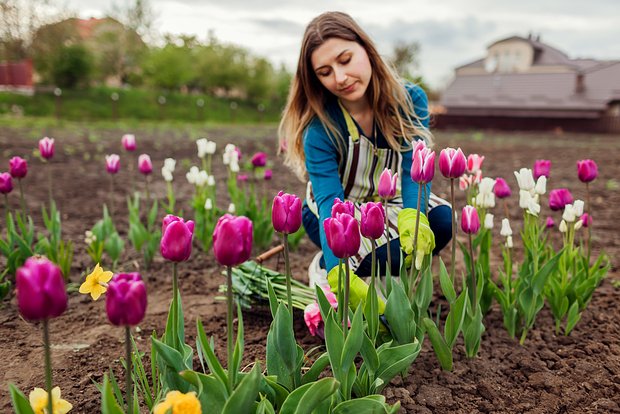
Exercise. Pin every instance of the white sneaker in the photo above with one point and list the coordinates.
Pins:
(316, 275)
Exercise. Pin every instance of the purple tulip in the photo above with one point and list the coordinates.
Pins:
(129, 142)
(125, 300)
(343, 235)
(242, 178)
(549, 223)
(41, 290)
(372, 224)
(112, 163)
(144, 164)
(586, 219)
(341, 207)
(46, 147)
(452, 162)
(268, 175)
(470, 222)
(559, 198)
(474, 163)
(259, 159)
(423, 168)
(6, 183)
(286, 213)
(176, 239)
(587, 170)
(501, 188)
(232, 240)
(387, 184)
(18, 167)
(541, 167)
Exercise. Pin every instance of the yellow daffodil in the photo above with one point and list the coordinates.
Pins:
(406, 229)
(179, 403)
(38, 401)
(96, 282)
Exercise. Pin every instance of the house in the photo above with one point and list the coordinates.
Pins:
(16, 76)
(523, 83)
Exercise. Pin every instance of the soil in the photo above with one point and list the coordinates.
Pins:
(548, 374)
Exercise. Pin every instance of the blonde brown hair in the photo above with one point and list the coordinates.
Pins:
(389, 100)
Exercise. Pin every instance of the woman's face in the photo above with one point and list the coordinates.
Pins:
(343, 67)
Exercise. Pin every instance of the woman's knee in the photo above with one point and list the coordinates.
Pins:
(440, 221)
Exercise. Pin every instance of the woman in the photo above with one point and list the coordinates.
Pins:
(348, 117)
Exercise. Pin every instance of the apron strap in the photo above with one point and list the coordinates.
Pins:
(351, 127)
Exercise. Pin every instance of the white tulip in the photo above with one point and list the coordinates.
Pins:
(229, 148)
(231, 208)
(210, 149)
(485, 200)
(509, 242)
(486, 185)
(525, 179)
(208, 204)
(541, 185)
(210, 181)
(166, 174)
(202, 178)
(569, 213)
(192, 175)
(202, 147)
(234, 166)
(226, 158)
(524, 198)
(170, 164)
(506, 230)
(578, 224)
(563, 226)
(578, 206)
(488, 221)
(533, 207)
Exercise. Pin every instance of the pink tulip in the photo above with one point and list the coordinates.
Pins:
(587, 170)
(387, 184)
(343, 235)
(232, 240)
(18, 167)
(470, 222)
(549, 223)
(112, 163)
(144, 164)
(313, 319)
(126, 299)
(559, 198)
(242, 178)
(41, 290)
(586, 219)
(129, 142)
(452, 162)
(501, 188)
(372, 224)
(465, 181)
(286, 213)
(423, 168)
(345, 207)
(259, 159)
(474, 163)
(6, 183)
(541, 167)
(268, 175)
(176, 239)
(46, 147)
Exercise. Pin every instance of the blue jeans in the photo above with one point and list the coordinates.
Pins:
(440, 220)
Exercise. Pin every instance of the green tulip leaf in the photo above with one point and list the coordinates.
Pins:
(244, 396)
(21, 405)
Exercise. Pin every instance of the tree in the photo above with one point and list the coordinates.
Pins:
(169, 67)
(72, 66)
(405, 61)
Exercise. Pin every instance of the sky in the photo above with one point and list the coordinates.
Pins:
(450, 32)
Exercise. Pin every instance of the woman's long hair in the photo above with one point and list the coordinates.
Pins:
(391, 103)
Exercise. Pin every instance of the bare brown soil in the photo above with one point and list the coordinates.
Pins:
(548, 374)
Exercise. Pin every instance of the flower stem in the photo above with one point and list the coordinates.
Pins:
(6, 207)
(287, 264)
(48, 365)
(128, 382)
(506, 209)
(229, 325)
(345, 319)
(112, 196)
(175, 304)
(387, 236)
(589, 211)
(473, 283)
(415, 240)
(49, 186)
(453, 262)
(21, 197)
(146, 186)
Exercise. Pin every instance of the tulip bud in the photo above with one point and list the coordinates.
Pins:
(170, 164)
(144, 164)
(313, 319)
(563, 226)
(372, 223)
(549, 223)
(506, 230)
(166, 174)
(234, 166)
(231, 208)
(423, 167)
(345, 207)
(541, 168)
(232, 240)
(268, 175)
(6, 183)
(202, 144)
(129, 142)
(525, 179)
(470, 222)
(501, 188)
(112, 163)
(18, 167)
(559, 198)
(41, 290)
(452, 163)
(587, 170)
(46, 147)
(578, 206)
(126, 299)
(474, 163)
(509, 242)
(387, 184)
(578, 224)
(343, 235)
(259, 159)
(541, 185)
(242, 178)
(176, 239)
(286, 213)
(586, 220)
(465, 181)
(208, 204)
(488, 221)
(210, 181)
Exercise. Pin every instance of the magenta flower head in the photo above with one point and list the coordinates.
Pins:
(6, 183)
(372, 224)
(341, 207)
(559, 198)
(259, 159)
(343, 235)
(586, 220)
(125, 300)
(549, 223)
(286, 213)
(41, 290)
(423, 168)
(452, 162)
(541, 167)
(470, 222)
(501, 188)
(144, 164)
(176, 238)
(232, 240)
(268, 175)
(18, 167)
(387, 184)
(46, 147)
(242, 178)
(587, 170)
(112, 163)
(474, 163)
(129, 142)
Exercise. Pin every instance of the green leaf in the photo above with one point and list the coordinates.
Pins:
(353, 343)
(443, 352)
(316, 369)
(108, 402)
(369, 353)
(238, 349)
(280, 393)
(400, 316)
(265, 407)
(244, 396)
(212, 392)
(273, 299)
(424, 291)
(307, 397)
(285, 338)
(454, 320)
(540, 278)
(365, 405)
(334, 342)
(395, 360)
(573, 317)
(447, 287)
(21, 405)
(212, 362)
(174, 363)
